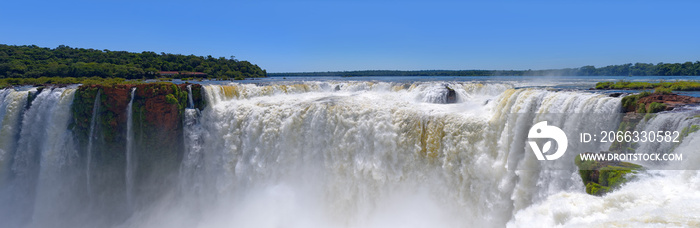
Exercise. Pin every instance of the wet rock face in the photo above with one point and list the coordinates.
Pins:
(157, 114)
(116, 98)
(646, 102)
(670, 100)
(451, 95)
(197, 94)
(442, 95)
(601, 177)
(615, 94)
(160, 103)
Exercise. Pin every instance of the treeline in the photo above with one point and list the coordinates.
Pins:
(8, 82)
(63, 61)
(637, 69)
(644, 69)
(671, 86)
(389, 73)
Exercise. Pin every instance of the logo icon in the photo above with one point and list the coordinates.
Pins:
(542, 131)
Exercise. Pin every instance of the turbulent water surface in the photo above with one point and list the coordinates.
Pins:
(333, 154)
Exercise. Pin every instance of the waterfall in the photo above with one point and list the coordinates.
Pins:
(43, 149)
(58, 155)
(12, 106)
(360, 146)
(129, 172)
(656, 198)
(190, 169)
(330, 154)
(91, 138)
(190, 101)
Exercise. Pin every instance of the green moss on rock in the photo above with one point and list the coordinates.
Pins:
(603, 177)
(630, 103)
(687, 130)
(198, 96)
(629, 123)
(170, 98)
(655, 107)
(157, 113)
(596, 189)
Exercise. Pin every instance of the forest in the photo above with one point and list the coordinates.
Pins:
(637, 69)
(390, 73)
(33, 62)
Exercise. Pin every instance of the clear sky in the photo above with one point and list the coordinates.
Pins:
(294, 36)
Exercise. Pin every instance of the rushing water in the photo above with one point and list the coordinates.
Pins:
(43, 148)
(91, 139)
(129, 171)
(342, 154)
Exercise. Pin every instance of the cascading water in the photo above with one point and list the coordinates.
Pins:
(91, 139)
(129, 172)
(191, 163)
(190, 101)
(347, 154)
(55, 183)
(42, 148)
(360, 149)
(11, 109)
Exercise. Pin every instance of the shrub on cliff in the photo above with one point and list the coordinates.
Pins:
(662, 90)
(629, 103)
(655, 107)
(603, 177)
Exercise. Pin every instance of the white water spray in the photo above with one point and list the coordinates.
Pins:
(11, 109)
(190, 101)
(191, 166)
(354, 154)
(130, 163)
(42, 149)
(345, 154)
(91, 138)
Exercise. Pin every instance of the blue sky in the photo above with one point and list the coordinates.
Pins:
(294, 36)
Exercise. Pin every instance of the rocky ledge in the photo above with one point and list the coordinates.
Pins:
(601, 177)
(646, 102)
(670, 100)
(160, 105)
(157, 124)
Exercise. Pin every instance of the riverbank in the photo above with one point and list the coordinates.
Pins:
(668, 86)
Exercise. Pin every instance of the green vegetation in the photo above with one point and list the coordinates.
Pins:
(64, 61)
(629, 103)
(628, 123)
(687, 130)
(390, 73)
(662, 90)
(655, 107)
(170, 98)
(157, 114)
(664, 86)
(637, 69)
(5, 82)
(642, 69)
(198, 97)
(83, 103)
(601, 178)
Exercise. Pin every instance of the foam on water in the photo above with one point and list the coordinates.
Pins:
(346, 154)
